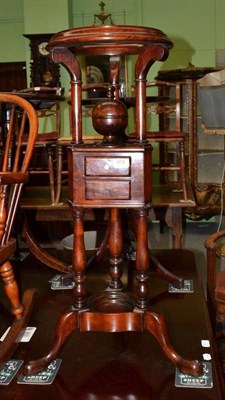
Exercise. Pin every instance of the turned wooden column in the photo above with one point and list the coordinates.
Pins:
(142, 258)
(116, 248)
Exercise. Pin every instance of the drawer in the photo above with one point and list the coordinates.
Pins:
(107, 190)
(107, 166)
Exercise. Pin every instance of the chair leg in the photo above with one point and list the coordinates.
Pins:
(11, 288)
(59, 163)
(182, 170)
(51, 173)
(11, 342)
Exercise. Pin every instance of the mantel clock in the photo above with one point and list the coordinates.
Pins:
(43, 71)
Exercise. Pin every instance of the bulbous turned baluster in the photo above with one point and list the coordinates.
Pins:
(109, 118)
(11, 288)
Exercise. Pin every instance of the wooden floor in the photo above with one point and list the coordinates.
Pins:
(115, 366)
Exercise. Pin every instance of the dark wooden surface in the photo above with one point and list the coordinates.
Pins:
(116, 365)
(38, 197)
(167, 206)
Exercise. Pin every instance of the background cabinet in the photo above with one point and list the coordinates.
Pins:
(13, 76)
(204, 152)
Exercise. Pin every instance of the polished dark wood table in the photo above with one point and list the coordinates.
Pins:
(41, 97)
(119, 366)
(166, 203)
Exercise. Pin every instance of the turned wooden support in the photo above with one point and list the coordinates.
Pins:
(66, 58)
(144, 61)
(142, 258)
(79, 258)
(115, 247)
(11, 288)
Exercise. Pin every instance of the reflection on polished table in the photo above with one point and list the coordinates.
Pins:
(121, 366)
(114, 174)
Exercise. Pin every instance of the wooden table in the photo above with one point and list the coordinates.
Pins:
(118, 365)
(167, 206)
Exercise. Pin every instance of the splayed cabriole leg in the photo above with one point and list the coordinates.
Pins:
(114, 322)
(67, 323)
(156, 324)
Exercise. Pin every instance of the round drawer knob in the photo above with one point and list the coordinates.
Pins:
(106, 167)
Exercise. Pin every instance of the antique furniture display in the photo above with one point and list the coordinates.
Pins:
(172, 169)
(114, 173)
(204, 153)
(15, 159)
(43, 71)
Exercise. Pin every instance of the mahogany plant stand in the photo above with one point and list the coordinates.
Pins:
(114, 173)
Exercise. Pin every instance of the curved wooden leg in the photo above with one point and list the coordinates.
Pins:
(41, 254)
(155, 323)
(10, 343)
(67, 323)
(165, 274)
(11, 288)
(100, 251)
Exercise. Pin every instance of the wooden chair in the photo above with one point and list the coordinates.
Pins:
(215, 276)
(16, 115)
(46, 101)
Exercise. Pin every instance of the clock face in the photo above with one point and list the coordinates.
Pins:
(42, 48)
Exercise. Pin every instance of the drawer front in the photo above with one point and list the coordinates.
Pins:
(108, 190)
(107, 166)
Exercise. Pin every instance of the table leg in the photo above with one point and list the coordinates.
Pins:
(115, 247)
(79, 259)
(174, 221)
(142, 258)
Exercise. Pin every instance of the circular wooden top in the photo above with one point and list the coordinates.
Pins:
(109, 39)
